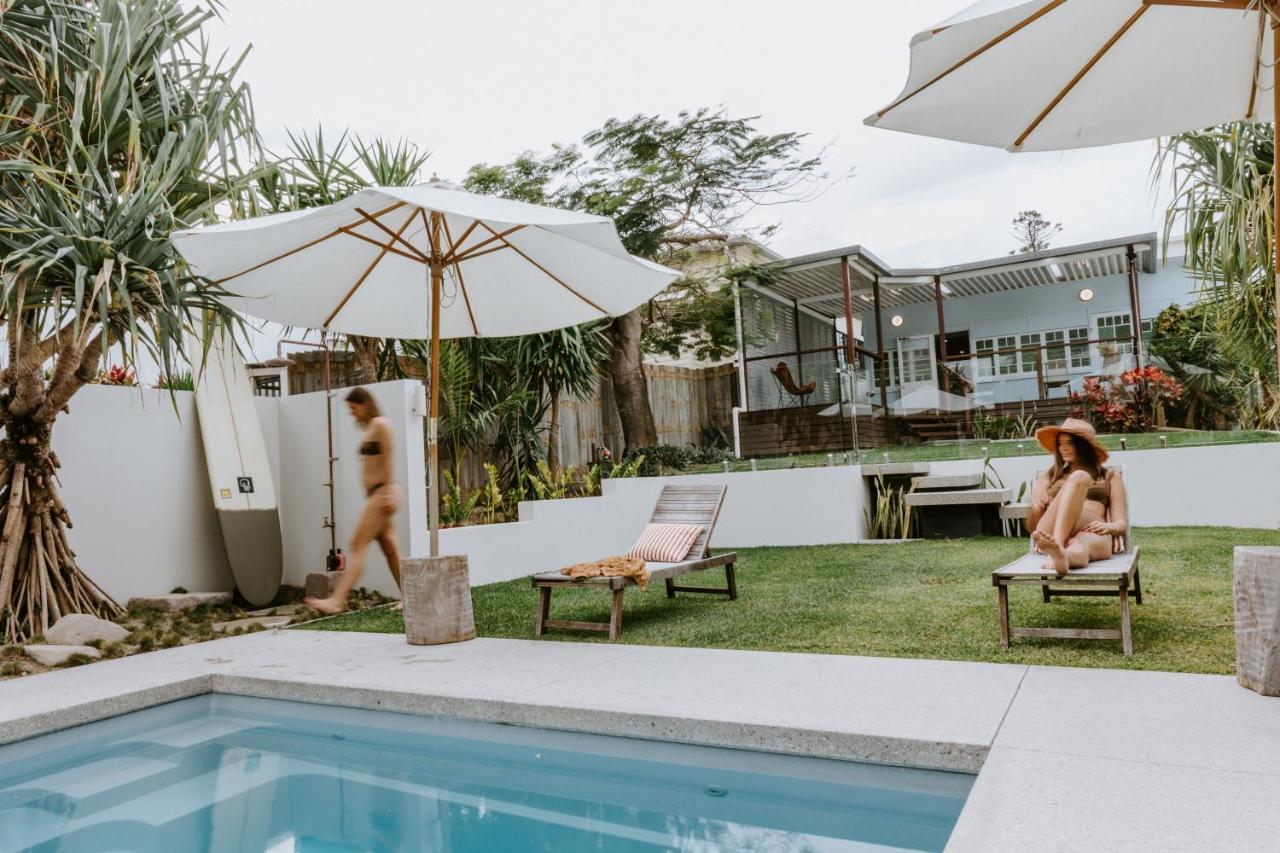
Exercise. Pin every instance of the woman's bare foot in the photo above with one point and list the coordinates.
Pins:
(328, 606)
(398, 606)
(1051, 548)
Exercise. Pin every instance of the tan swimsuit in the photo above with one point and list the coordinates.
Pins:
(1099, 490)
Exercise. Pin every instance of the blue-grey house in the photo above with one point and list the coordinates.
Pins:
(1015, 333)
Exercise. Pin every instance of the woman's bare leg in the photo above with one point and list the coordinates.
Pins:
(391, 550)
(367, 527)
(1066, 510)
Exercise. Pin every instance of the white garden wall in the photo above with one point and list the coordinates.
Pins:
(134, 479)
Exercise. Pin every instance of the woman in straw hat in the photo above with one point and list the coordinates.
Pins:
(1078, 505)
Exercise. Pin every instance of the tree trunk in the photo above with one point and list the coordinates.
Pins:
(39, 578)
(553, 434)
(630, 387)
(368, 353)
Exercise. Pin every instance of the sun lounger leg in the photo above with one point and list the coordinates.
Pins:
(615, 614)
(1125, 636)
(733, 581)
(544, 610)
(1002, 592)
(671, 588)
(1044, 590)
(1137, 585)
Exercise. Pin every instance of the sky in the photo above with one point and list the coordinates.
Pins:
(482, 82)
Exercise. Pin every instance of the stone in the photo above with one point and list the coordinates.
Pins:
(437, 600)
(173, 603)
(56, 655)
(263, 621)
(320, 584)
(177, 602)
(969, 497)
(947, 481)
(282, 610)
(1257, 596)
(78, 629)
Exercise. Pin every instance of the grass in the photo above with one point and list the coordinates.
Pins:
(921, 600)
(936, 452)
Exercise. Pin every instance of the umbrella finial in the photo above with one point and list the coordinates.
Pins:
(439, 183)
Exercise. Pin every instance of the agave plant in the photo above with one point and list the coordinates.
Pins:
(117, 128)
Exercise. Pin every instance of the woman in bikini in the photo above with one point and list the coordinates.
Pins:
(1077, 506)
(377, 519)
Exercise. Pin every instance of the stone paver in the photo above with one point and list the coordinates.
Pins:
(251, 622)
(178, 601)
(53, 654)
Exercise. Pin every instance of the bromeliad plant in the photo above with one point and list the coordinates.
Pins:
(117, 127)
(1130, 402)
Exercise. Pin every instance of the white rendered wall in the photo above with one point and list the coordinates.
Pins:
(134, 480)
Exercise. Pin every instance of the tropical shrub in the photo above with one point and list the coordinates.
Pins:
(1134, 401)
(887, 515)
(118, 375)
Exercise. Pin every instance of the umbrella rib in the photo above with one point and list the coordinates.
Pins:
(995, 41)
(453, 248)
(1257, 67)
(347, 229)
(457, 270)
(545, 271)
(334, 233)
(394, 236)
(471, 251)
(368, 271)
(1080, 75)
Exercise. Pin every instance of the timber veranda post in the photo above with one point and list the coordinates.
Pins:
(850, 354)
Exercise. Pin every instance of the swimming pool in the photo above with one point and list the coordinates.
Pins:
(228, 773)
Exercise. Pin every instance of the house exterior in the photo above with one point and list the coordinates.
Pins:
(1014, 333)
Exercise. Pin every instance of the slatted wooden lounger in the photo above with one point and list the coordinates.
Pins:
(676, 505)
(1114, 576)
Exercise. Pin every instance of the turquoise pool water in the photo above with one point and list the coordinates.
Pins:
(223, 773)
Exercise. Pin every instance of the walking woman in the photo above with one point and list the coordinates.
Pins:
(383, 498)
(1077, 506)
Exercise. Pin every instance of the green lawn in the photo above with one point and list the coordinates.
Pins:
(936, 452)
(925, 600)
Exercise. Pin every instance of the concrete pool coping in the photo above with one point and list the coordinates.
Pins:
(1066, 759)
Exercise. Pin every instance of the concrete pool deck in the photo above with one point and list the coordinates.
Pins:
(1067, 759)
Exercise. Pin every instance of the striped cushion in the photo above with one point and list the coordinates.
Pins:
(665, 543)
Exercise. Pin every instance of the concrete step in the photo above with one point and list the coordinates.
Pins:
(1015, 511)
(967, 497)
(947, 481)
(895, 469)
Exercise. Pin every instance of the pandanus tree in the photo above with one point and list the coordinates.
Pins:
(116, 127)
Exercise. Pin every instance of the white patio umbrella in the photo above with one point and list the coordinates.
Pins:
(427, 261)
(1048, 75)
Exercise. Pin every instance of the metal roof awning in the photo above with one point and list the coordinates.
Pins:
(814, 282)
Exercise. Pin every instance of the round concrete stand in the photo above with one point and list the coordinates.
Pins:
(437, 600)
(1257, 593)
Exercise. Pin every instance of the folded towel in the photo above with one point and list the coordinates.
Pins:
(610, 567)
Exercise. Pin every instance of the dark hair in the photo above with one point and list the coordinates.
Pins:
(364, 398)
(1086, 456)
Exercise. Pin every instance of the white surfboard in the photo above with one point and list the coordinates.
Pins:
(244, 492)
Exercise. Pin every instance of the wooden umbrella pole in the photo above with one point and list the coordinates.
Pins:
(433, 436)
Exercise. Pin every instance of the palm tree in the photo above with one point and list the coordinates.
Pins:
(117, 128)
(1224, 198)
(564, 361)
(316, 173)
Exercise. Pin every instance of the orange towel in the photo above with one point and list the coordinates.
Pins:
(610, 567)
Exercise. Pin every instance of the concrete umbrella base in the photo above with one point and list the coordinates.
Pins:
(1257, 595)
(437, 600)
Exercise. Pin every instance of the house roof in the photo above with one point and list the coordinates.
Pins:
(814, 281)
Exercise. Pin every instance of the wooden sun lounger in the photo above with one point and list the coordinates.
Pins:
(676, 505)
(1115, 576)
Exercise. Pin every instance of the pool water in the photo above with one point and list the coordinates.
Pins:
(225, 773)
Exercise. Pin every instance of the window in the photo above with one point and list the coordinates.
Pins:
(1055, 354)
(1144, 329)
(1081, 358)
(1029, 351)
(1118, 328)
(986, 364)
(1007, 362)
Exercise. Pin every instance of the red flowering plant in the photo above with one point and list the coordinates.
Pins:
(117, 375)
(1128, 402)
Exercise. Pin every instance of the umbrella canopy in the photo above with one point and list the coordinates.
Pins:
(361, 266)
(1047, 75)
(425, 261)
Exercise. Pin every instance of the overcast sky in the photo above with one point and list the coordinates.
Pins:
(481, 82)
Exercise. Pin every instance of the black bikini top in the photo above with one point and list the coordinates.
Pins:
(370, 448)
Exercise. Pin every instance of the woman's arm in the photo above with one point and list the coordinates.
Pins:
(1039, 500)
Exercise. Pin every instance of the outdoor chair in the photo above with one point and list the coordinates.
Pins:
(676, 505)
(1115, 576)
(787, 385)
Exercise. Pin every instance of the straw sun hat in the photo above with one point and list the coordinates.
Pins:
(1047, 437)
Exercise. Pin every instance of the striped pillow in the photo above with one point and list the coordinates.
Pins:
(665, 543)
